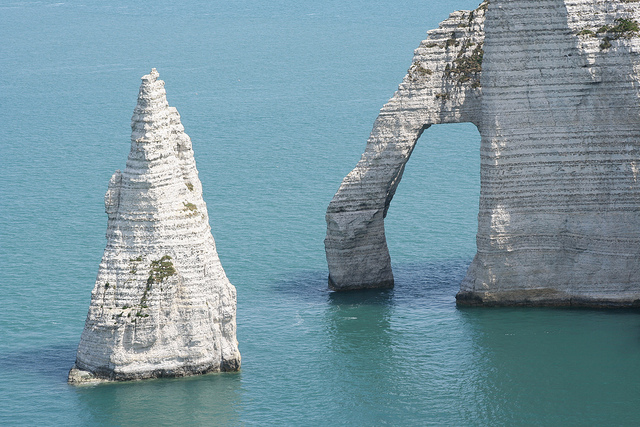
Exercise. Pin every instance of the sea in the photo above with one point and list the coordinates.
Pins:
(279, 98)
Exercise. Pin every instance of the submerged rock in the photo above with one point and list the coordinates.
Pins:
(554, 89)
(162, 305)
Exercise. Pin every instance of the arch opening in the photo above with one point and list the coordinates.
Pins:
(433, 215)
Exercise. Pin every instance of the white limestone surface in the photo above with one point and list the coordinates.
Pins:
(162, 305)
(558, 110)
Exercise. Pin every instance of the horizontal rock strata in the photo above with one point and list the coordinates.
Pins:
(162, 305)
(557, 107)
(559, 218)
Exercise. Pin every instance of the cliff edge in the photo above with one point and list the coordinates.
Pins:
(553, 88)
(162, 305)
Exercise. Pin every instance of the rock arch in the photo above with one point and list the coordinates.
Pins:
(441, 86)
(553, 88)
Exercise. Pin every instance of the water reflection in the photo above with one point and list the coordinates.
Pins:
(403, 354)
(360, 348)
(183, 401)
(358, 323)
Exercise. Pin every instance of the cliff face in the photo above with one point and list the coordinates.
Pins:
(162, 304)
(557, 106)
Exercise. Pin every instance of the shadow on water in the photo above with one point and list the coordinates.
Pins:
(52, 362)
(430, 283)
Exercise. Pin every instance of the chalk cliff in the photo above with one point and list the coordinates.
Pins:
(162, 305)
(553, 87)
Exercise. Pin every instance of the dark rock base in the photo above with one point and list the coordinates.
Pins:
(78, 376)
(386, 284)
(538, 298)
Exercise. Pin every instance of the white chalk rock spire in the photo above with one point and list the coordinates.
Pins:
(162, 305)
(554, 89)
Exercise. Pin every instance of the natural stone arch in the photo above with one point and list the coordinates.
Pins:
(558, 112)
(441, 86)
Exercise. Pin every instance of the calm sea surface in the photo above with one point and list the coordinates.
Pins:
(279, 98)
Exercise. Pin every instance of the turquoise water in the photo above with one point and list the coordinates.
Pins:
(279, 98)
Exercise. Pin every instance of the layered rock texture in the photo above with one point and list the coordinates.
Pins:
(162, 304)
(553, 87)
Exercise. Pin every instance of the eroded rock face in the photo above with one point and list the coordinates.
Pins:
(557, 107)
(162, 304)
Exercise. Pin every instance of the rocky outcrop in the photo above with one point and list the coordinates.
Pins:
(162, 304)
(555, 97)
